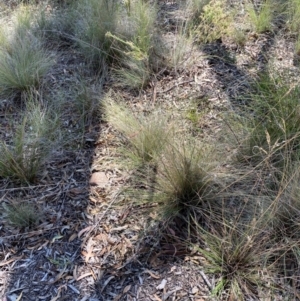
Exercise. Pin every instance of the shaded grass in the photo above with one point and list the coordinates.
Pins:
(95, 19)
(57, 27)
(35, 138)
(195, 9)
(174, 170)
(22, 215)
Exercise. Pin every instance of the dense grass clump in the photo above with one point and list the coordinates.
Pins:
(183, 177)
(293, 16)
(23, 60)
(136, 45)
(146, 136)
(261, 17)
(22, 215)
(34, 140)
(56, 28)
(95, 19)
(275, 124)
(235, 252)
(286, 205)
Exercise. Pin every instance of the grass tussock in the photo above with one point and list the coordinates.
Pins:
(184, 181)
(180, 50)
(35, 138)
(23, 60)
(297, 46)
(146, 136)
(284, 225)
(136, 45)
(95, 19)
(261, 16)
(236, 252)
(274, 125)
(195, 9)
(22, 215)
(181, 178)
(56, 28)
(286, 218)
(87, 102)
(293, 16)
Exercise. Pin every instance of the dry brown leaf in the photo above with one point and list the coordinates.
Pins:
(75, 272)
(126, 289)
(104, 250)
(10, 260)
(84, 275)
(61, 275)
(102, 237)
(153, 275)
(72, 237)
(128, 243)
(84, 230)
(157, 298)
(87, 255)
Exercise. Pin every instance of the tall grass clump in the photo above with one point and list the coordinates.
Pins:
(297, 45)
(184, 181)
(195, 9)
(95, 19)
(286, 204)
(285, 224)
(87, 104)
(23, 60)
(293, 16)
(237, 254)
(56, 27)
(145, 136)
(135, 44)
(261, 17)
(274, 123)
(180, 49)
(35, 138)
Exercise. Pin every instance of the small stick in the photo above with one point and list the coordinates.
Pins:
(207, 282)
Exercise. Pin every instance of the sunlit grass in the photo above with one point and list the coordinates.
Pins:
(261, 17)
(23, 60)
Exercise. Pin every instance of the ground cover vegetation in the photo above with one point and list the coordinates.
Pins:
(229, 187)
